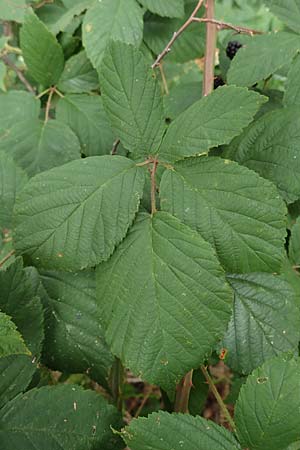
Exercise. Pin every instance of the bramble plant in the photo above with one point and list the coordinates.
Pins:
(150, 224)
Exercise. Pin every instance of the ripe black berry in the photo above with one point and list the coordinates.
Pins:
(232, 48)
(218, 81)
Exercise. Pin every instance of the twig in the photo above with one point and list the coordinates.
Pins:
(176, 35)
(42, 3)
(20, 75)
(163, 77)
(183, 393)
(218, 397)
(227, 26)
(48, 105)
(144, 401)
(115, 147)
(153, 186)
(6, 257)
(211, 37)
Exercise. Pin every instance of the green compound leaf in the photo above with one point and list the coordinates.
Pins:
(287, 11)
(42, 54)
(239, 213)
(12, 181)
(121, 20)
(78, 76)
(16, 106)
(85, 115)
(74, 339)
(52, 418)
(164, 299)
(261, 57)
(171, 8)
(132, 98)
(37, 146)
(265, 320)
(11, 341)
(267, 412)
(214, 120)
(177, 432)
(271, 148)
(64, 217)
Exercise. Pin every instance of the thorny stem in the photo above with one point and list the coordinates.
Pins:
(153, 186)
(48, 105)
(19, 73)
(6, 257)
(115, 147)
(218, 397)
(211, 37)
(226, 26)
(183, 393)
(176, 35)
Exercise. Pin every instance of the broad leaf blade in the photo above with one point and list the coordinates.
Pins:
(265, 320)
(13, 10)
(287, 11)
(11, 341)
(16, 106)
(292, 87)
(64, 216)
(271, 148)
(209, 122)
(16, 374)
(171, 8)
(263, 56)
(238, 212)
(177, 432)
(51, 418)
(85, 115)
(18, 299)
(294, 244)
(78, 75)
(42, 53)
(267, 412)
(74, 339)
(132, 98)
(37, 146)
(12, 181)
(163, 316)
(121, 20)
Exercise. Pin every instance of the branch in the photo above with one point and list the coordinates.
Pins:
(183, 393)
(227, 26)
(6, 257)
(19, 73)
(52, 90)
(176, 35)
(218, 397)
(115, 147)
(210, 50)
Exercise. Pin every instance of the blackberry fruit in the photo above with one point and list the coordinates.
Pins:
(218, 81)
(232, 48)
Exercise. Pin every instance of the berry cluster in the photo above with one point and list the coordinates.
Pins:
(232, 48)
(218, 81)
